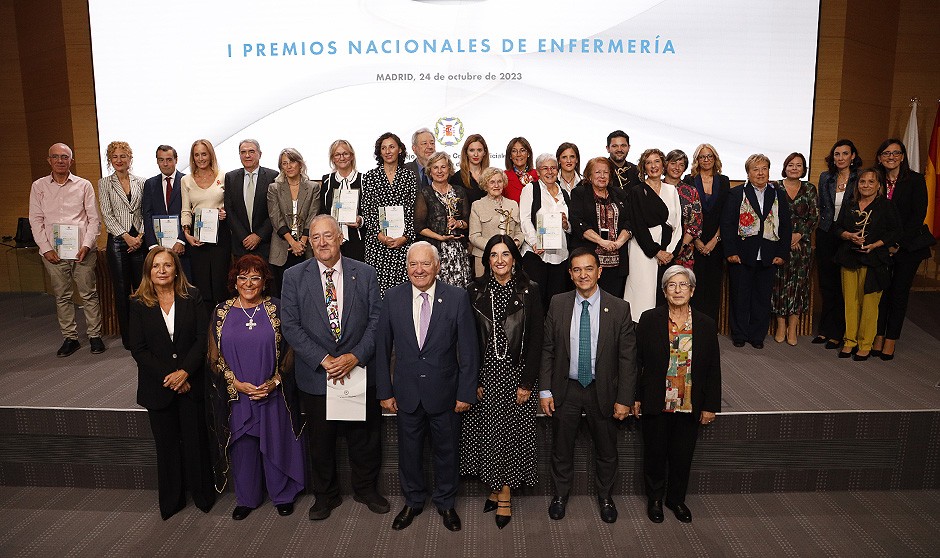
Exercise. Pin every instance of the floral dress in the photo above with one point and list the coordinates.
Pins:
(791, 284)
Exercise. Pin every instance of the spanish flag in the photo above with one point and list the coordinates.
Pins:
(932, 176)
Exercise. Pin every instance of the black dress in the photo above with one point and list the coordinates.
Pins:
(498, 435)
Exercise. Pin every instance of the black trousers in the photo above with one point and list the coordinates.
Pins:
(126, 270)
(444, 429)
(278, 272)
(612, 282)
(709, 273)
(210, 264)
(183, 461)
(552, 278)
(750, 292)
(603, 429)
(893, 305)
(362, 438)
(668, 444)
(829, 277)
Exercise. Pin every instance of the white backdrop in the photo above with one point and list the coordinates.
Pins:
(295, 73)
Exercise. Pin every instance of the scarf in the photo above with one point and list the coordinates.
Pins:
(749, 222)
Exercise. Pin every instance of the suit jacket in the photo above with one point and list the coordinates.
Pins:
(441, 373)
(306, 326)
(615, 359)
(154, 203)
(652, 362)
(484, 223)
(281, 206)
(748, 248)
(237, 214)
(157, 355)
(827, 197)
(413, 165)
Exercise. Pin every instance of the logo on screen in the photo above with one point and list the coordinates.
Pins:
(448, 131)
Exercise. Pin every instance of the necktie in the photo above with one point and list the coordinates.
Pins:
(584, 346)
(332, 304)
(250, 198)
(169, 194)
(425, 320)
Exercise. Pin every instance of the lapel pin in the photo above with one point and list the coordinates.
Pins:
(440, 301)
(606, 310)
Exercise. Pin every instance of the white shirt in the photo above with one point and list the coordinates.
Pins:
(760, 193)
(416, 302)
(170, 319)
(337, 282)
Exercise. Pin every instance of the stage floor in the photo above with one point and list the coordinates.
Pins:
(779, 378)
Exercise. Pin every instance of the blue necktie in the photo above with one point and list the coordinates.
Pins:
(584, 346)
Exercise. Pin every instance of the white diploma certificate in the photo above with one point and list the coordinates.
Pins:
(550, 230)
(166, 229)
(392, 220)
(66, 240)
(346, 205)
(347, 400)
(206, 226)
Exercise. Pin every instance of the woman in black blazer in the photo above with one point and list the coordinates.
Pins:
(344, 177)
(908, 190)
(671, 415)
(168, 329)
(590, 199)
(713, 187)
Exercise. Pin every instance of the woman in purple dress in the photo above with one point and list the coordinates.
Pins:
(256, 418)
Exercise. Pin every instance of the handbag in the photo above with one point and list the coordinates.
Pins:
(924, 239)
(24, 234)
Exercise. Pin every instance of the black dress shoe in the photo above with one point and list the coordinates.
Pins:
(654, 510)
(556, 510)
(322, 507)
(886, 356)
(843, 354)
(757, 344)
(374, 501)
(68, 347)
(406, 516)
(608, 510)
(738, 343)
(451, 519)
(285, 509)
(97, 345)
(875, 353)
(819, 340)
(503, 520)
(860, 358)
(489, 505)
(241, 512)
(833, 344)
(682, 512)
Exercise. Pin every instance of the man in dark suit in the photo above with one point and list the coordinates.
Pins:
(625, 174)
(423, 144)
(330, 309)
(436, 371)
(162, 197)
(756, 236)
(246, 202)
(588, 365)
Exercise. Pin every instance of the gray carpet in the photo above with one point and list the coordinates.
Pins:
(82, 522)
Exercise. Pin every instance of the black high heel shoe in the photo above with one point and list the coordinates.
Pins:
(489, 505)
(503, 520)
(819, 340)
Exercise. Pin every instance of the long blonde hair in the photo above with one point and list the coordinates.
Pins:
(146, 293)
(213, 160)
(694, 170)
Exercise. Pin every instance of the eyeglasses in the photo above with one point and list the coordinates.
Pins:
(342, 155)
(681, 286)
(59, 157)
(894, 153)
(705, 157)
(248, 279)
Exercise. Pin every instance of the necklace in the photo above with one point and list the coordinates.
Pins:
(250, 324)
(495, 334)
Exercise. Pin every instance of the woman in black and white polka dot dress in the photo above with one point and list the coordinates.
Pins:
(498, 435)
(390, 185)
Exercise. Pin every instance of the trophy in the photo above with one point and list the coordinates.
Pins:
(864, 217)
(452, 202)
(505, 222)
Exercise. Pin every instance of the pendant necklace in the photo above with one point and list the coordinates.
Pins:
(250, 324)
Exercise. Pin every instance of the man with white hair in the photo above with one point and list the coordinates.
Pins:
(422, 144)
(430, 327)
(246, 202)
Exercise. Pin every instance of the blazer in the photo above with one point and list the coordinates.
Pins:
(522, 325)
(119, 214)
(827, 197)
(280, 208)
(883, 225)
(748, 248)
(157, 355)
(154, 203)
(910, 199)
(712, 207)
(306, 326)
(237, 214)
(652, 362)
(584, 217)
(614, 361)
(442, 372)
(327, 191)
(484, 223)
(413, 165)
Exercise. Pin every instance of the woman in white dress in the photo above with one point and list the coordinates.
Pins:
(657, 228)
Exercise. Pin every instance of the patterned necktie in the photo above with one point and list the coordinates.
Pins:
(250, 199)
(332, 304)
(425, 320)
(169, 194)
(584, 346)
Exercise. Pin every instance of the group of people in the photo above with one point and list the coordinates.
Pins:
(440, 289)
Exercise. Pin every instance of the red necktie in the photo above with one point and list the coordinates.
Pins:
(169, 194)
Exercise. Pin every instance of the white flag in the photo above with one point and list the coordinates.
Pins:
(912, 139)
